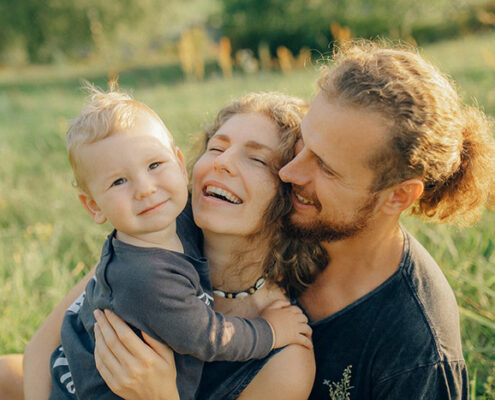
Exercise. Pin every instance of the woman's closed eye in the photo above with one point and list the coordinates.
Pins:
(258, 160)
(216, 149)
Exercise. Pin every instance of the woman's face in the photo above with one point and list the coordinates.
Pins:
(232, 182)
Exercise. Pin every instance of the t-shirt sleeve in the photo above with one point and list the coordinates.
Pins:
(442, 381)
(170, 305)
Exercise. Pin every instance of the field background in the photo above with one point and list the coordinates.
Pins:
(47, 242)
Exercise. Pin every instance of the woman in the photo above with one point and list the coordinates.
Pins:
(239, 203)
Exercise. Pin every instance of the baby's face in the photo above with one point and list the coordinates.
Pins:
(136, 178)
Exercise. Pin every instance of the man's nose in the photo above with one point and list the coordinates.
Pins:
(296, 170)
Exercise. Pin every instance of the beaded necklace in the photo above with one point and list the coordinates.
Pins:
(260, 282)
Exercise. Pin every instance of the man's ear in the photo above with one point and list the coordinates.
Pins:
(180, 157)
(92, 208)
(402, 196)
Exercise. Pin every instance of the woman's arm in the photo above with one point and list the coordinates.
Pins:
(136, 371)
(37, 354)
(11, 377)
(132, 369)
(288, 375)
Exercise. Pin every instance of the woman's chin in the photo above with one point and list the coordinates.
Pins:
(230, 226)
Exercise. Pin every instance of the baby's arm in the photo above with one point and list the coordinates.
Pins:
(38, 351)
(289, 325)
(169, 305)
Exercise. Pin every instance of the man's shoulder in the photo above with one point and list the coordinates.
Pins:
(434, 296)
(407, 327)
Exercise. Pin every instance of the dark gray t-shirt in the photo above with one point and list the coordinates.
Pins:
(167, 295)
(400, 341)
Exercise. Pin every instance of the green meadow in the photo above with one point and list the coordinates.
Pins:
(47, 242)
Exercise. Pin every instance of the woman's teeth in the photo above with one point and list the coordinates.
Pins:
(303, 200)
(217, 192)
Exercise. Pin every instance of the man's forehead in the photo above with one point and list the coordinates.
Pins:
(335, 117)
(343, 136)
(315, 119)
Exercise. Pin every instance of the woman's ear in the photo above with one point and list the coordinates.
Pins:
(92, 208)
(402, 196)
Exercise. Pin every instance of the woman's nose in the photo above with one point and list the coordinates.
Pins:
(224, 162)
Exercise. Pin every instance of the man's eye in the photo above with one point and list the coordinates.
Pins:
(119, 181)
(324, 168)
(154, 165)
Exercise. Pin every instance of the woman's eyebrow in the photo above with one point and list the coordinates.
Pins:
(221, 137)
(257, 146)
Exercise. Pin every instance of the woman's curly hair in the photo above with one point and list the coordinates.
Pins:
(290, 263)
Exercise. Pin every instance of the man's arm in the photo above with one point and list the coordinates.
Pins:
(38, 351)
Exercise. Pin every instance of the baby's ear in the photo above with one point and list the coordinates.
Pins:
(92, 208)
(180, 157)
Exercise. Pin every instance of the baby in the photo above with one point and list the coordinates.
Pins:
(151, 271)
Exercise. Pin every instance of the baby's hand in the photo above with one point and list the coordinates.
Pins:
(288, 323)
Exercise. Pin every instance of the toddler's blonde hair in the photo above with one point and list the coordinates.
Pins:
(104, 114)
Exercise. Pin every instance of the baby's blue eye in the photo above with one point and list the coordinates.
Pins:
(119, 181)
(154, 165)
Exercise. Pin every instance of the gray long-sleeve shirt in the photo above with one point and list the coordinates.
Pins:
(165, 294)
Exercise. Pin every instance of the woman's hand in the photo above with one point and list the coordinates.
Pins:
(131, 368)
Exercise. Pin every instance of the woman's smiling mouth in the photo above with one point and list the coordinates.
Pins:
(222, 194)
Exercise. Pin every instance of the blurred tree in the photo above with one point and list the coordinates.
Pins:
(224, 57)
(58, 29)
(6, 28)
(48, 27)
(298, 23)
(291, 23)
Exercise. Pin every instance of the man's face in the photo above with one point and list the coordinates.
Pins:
(330, 178)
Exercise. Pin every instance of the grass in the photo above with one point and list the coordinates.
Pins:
(47, 242)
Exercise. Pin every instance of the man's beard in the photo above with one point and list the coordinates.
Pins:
(328, 231)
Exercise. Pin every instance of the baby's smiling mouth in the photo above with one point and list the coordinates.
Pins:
(222, 194)
(151, 209)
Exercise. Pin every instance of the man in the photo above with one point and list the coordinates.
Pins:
(385, 134)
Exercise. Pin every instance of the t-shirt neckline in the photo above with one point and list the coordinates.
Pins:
(403, 262)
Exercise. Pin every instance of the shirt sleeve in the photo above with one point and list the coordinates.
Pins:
(442, 381)
(169, 304)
